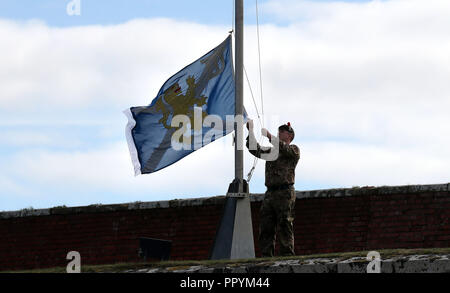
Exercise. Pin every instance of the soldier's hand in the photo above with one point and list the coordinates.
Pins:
(250, 125)
(266, 133)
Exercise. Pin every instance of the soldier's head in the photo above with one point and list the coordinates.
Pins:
(286, 133)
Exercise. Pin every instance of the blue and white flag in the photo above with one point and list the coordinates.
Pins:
(190, 111)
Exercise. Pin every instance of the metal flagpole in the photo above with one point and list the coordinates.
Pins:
(234, 236)
(239, 82)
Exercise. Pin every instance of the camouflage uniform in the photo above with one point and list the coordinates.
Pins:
(277, 209)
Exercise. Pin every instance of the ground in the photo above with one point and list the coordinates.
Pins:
(392, 261)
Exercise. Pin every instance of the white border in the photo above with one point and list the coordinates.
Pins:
(131, 146)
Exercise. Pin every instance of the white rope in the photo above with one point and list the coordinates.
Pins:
(253, 98)
(255, 161)
(259, 62)
(261, 120)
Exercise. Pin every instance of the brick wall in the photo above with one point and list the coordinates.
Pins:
(334, 220)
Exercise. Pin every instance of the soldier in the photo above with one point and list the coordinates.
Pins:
(277, 209)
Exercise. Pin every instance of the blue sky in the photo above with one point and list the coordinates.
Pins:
(116, 11)
(361, 79)
(105, 12)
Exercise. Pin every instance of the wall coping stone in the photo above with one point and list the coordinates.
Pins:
(218, 200)
(432, 263)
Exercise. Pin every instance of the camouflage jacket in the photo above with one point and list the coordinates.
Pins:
(280, 167)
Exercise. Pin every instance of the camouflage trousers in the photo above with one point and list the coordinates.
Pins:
(276, 217)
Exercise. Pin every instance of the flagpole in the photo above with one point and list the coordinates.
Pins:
(234, 236)
(239, 110)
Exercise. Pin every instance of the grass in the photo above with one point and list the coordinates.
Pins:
(121, 267)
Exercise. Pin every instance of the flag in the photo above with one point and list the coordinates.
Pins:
(191, 109)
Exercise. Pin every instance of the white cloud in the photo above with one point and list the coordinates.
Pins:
(347, 164)
(78, 67)
(365, 85)
(109, 169)
(375, 72)
(41, 138)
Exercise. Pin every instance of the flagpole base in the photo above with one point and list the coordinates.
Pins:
(234, 236)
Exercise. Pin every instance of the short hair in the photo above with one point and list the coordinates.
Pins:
(287, 127)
